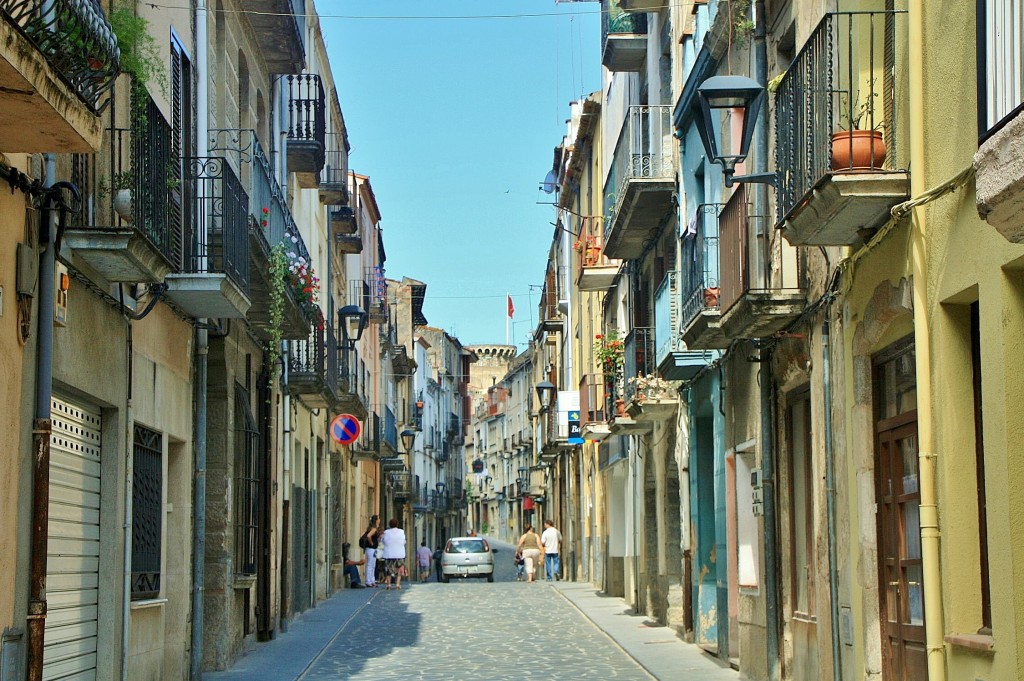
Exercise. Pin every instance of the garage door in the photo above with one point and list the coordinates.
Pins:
(73, 553)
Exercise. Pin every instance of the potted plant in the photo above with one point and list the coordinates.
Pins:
(122, 199)
(854, 146)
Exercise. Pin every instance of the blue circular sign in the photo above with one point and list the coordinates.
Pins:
(346, 429)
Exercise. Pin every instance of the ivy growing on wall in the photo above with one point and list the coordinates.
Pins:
(278, 281)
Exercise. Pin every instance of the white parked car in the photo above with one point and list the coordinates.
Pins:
(467, 557)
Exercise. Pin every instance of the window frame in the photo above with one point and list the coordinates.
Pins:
(147, 513)
(801, 397)
(985, 129)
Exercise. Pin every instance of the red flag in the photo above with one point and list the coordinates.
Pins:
(511, 307)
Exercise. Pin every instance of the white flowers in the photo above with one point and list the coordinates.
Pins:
(652, 386)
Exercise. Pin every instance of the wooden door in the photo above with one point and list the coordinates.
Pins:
(900, 570)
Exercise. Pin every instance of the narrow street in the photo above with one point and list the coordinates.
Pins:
(475, 630)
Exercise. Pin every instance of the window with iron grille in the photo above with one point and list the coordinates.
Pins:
(147, 512)
(247, 484)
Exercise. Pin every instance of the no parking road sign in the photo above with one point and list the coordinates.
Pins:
(346, 429)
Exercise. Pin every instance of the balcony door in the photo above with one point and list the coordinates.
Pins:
(901, 577)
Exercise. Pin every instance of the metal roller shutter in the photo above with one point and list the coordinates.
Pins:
(73, 553)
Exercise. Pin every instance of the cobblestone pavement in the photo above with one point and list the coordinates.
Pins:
(469, 629)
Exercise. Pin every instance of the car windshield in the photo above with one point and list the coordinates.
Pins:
(466, 546)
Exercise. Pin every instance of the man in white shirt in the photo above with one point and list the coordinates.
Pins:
(551, 539)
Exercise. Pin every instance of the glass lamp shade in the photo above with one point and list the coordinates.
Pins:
(546, 393)
(353, 321)
(732, 93)
(408, 439)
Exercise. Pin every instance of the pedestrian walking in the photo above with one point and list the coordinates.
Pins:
(529, 546)
(393, 543)
(423, 556)
(551, 539)
(351, 567)
(368, 542)
(520, 565)
(438, 552)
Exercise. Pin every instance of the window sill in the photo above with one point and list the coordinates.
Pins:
(148, 603)
(244, 581)
(804, 617)
(979, 642)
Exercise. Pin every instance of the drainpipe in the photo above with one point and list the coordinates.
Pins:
(286, 455)
(830, 501)
(41, 428)
(927, 455)
(202, 355)
(129, 500)
(771, 551)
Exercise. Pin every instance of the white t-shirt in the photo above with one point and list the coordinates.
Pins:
(551, 539)
(393, 541)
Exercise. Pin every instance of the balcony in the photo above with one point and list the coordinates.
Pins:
(761, 290)
(279, 26)
(596, 271)
(701, 289)
(214, 279)
(306, 128)
(593, 405)
(389, 432)
(842, 91)
(58, 61)
(270, 224)
(313, 368)
(641, 181)
(343, 224)
(367, 448)
(401, 485)
(1000, 175)
(129, 229)
(624, 37)
(334, 179)
(371, 294)
(351, 386)
(674, 361)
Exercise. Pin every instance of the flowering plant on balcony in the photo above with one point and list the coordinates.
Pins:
(609, 350)
(305, 285)
(651, 386)
(265, 217)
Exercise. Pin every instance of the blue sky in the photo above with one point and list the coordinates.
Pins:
(455, 121)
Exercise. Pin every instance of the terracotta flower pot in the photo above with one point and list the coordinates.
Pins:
(857, 150)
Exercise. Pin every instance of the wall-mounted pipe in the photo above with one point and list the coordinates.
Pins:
(830, 505)
(41, 429)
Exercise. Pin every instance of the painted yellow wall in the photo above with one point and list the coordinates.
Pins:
(969, 261)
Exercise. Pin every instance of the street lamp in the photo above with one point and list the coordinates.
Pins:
(546, 393)
(440, 487)
(352, 320)
(523, 470)
(730, 92)
(408, 439)
(487, 480)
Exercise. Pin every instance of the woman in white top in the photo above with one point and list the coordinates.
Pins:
(393, 541)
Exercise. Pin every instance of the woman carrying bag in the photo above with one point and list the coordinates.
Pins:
(368, 542)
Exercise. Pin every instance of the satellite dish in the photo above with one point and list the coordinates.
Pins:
(550, 182)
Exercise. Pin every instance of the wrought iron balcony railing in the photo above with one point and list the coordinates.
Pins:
(334, 178)
(700, 263)
(313, 362)
(75, 39)
(638, 359)
(644, 151)
(623, 38)
(306, 107)
(216, 233)
(137, 159)
(845, 78)
(267, 207)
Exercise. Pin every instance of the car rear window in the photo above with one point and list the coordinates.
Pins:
(466, 546)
